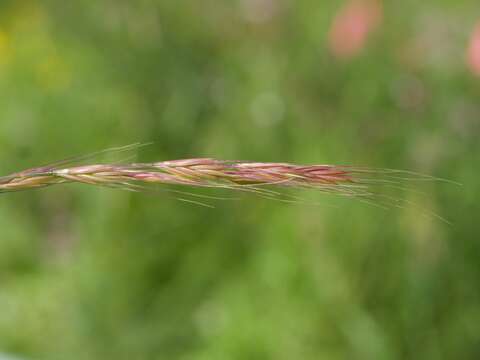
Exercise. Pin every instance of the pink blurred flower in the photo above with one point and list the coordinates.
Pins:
(352, 25)
(473, 52)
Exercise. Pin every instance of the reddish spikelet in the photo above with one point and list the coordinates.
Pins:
(194, 172)
(212, 173)
(288, 174)
(252, 177)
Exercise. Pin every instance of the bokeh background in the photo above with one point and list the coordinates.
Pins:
(89, 273)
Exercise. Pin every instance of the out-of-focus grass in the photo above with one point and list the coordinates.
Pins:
(101, 274)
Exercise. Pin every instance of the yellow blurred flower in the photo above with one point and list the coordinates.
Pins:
(5, 50)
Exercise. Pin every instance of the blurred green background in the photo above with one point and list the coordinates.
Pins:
(88, 273)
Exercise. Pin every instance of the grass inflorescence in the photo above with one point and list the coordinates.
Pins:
(257, 177)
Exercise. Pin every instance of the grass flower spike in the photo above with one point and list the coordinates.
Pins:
(260, 178)
(201, 172)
